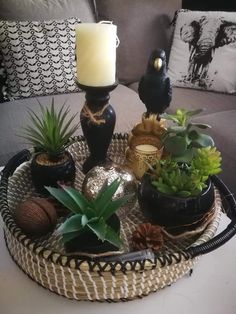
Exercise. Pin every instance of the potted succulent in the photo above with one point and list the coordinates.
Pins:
(50, 134)
(93, 226)
(178, 190)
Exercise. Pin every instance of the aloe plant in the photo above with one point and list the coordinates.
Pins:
(51, 131)
(182, 138)
(185, 180)
(89, 215)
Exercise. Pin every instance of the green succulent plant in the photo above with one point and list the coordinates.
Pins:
(89, 215)
(207, 161)
(185, 180)
(182, 138)
(51, 131)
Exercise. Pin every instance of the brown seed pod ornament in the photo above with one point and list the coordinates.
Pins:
(36, 216)
(148, 236)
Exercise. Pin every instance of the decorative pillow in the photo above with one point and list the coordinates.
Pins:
(203, 52)
(39, 56)
(3, 77)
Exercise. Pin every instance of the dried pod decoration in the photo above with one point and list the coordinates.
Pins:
(61, 210)
(148, 236)
(36, 216)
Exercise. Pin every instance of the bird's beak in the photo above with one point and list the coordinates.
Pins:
(158, 63)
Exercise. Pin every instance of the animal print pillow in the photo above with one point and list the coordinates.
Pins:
(203, 52)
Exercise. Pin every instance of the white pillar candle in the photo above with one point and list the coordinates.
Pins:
(96, 54)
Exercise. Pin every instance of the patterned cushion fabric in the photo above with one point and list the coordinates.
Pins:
(39, 56)
(3, 77)
(203, 52)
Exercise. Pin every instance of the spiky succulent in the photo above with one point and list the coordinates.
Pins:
(51, 131)
(89, 215)
(181, 179)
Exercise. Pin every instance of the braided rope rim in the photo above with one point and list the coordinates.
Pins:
(151, 261)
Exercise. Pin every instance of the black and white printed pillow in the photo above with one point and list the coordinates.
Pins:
(203, 52)
(39, 56)
(3, 78)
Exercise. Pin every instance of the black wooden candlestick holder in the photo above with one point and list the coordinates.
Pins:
(98, 120)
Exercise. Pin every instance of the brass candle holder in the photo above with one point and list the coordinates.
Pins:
(98, 120)
(144, 144)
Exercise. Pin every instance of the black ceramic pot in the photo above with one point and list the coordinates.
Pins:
(49, 175)
(88, 242)
(171, 211)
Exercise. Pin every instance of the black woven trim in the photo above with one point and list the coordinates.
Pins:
(71, 298)
(170, 258)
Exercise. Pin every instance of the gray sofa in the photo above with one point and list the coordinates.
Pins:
(142, 26)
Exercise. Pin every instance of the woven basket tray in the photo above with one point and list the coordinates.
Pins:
(112, 278)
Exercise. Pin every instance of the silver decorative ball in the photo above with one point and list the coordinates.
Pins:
(97, 176)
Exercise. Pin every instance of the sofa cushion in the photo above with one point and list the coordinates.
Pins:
(46, 9)
(39, 56)
(203, 53)
(14, 116)
(194, 99)
(140, 28)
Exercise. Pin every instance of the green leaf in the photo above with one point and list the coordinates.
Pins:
(193, 135)
(70, 236)
(200, 125)
(99, 227)
(176, 129)
(176, 145)
(203, 140)
(186, 157)
(78, 198)
(102, 190)
(113, 237)
(103, 199)
(113, 206)
(84, 220)
(184, 193)
(72, 224)
(170, 117)
(64, 198)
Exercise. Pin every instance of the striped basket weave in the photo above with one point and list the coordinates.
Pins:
(112, 278)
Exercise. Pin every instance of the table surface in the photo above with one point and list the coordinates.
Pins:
(210, 290)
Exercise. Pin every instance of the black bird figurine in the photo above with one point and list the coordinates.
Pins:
(154, 88)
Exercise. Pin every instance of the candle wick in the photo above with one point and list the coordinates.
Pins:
(105, 22)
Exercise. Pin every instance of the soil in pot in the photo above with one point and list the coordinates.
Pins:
(49, 173)
(88, 242)
(171, 211)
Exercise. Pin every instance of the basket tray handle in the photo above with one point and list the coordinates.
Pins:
(14, 162)
(226, 234)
